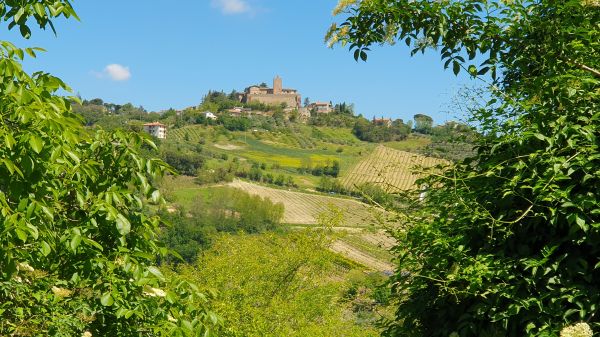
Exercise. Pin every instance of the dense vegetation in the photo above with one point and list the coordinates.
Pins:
(380, 132)
(287, 285)
(77, 246)
(453, 141)
(224, 210)
(507, 243)
(84, 226)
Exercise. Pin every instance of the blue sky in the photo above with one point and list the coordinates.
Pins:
(168, 54)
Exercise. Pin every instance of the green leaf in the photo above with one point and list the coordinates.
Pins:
(107, 300)
(187, 326)
(25, 32)
(455, 67)
(19, 14)
(46, 250)
(37, 144)
(581, 222)
(363, 55)
(75, 241)
(21, 234)
(93, 243)
(39, 9)
(483, 71)
(156, 272)
(9, 141)
(123, 225)
(155, 196)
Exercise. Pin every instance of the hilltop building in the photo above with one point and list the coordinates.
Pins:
(272, 96)
(321, 107)
(382, 121)
(156, 129)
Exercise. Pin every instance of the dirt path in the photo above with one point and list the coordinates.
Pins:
(358, 256)
(228, 147)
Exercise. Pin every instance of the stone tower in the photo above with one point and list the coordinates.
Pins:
(277, 85)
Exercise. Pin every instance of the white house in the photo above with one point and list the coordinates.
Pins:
(156, 129)
(210, 115)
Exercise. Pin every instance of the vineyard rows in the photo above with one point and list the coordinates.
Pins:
(304, 208)
(393, 170)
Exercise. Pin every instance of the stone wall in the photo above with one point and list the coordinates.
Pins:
(291, 100)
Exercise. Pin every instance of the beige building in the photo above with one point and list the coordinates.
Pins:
(272, 96)
(321, 107)
(382, 121)
(156, 129)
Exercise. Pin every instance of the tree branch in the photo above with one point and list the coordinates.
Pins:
(582, 66)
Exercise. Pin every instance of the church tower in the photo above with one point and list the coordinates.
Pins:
(277, 85)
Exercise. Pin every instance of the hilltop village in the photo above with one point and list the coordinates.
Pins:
(261, 100)
(255, 100)
(261, 109)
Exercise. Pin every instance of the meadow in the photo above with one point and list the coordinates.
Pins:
(285, 151)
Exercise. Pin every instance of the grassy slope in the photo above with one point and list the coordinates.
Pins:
(293, 149)
(285, 152)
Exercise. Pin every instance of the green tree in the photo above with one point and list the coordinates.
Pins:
(77, 247)
(278, 285)
(507, 244)
(423, 123)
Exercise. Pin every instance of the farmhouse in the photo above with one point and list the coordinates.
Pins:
(382, 121)
(320, 107)
(272, 96)
(156, 129)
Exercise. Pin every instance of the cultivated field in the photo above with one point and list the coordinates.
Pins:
(357, 235)
(304, 208)
(391, 169)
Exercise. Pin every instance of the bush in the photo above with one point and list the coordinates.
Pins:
(187, 164)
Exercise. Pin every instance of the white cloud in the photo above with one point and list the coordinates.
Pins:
(230, 7)
(117, 72)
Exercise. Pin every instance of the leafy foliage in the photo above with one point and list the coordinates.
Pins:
(226, 210)
(279, 285)
(374, 132)
(423, 123)
(506, 244)
(77, 247)
(453, 141)
(186, 163)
